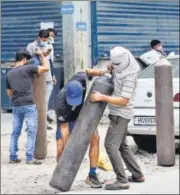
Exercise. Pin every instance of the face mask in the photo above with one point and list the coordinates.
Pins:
(123, 63)
(51, 40)
(42, 44)
(117, 68)
(159, 48)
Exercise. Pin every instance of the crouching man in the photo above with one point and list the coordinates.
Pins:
(69, 102)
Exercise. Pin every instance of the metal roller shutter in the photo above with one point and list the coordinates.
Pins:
(133, 24)
(21, 23)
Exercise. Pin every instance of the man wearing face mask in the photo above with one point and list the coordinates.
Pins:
(52, 36)
(125, 71)
(155, 54)
(42, 43)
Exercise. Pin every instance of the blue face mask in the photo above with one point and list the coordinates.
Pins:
(42, 43)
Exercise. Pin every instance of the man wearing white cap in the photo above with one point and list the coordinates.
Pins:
(125, 70)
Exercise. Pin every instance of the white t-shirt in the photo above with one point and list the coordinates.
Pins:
(32, 49)
(151, 57)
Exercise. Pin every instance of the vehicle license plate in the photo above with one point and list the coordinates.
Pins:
(145, 120)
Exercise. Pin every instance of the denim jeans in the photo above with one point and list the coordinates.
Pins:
(29, 114)
(58, 131)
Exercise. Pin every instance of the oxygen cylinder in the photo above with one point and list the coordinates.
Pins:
(79, 140)
(39, 86)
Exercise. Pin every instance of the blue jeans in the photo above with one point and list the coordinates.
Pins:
(29, 114)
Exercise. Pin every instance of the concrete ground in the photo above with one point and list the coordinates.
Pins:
(26, 179)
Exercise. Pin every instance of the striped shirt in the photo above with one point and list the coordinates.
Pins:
(124, 87)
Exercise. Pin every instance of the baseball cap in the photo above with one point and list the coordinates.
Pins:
(74, 93)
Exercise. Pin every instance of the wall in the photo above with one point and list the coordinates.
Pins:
(21, 23)
(133, 24)
(76, 43)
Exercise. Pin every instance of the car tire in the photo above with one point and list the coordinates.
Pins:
(146, 142)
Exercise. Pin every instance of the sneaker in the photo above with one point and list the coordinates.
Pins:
(136, 180)
(15, 161)
(93, 181)
(33, 162)
(117, 185)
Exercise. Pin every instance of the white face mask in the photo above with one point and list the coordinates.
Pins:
(42, 44)
(159, 48)
(123, 63)
(51, 40)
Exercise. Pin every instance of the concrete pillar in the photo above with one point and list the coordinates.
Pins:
(164, 114)
(76, 36)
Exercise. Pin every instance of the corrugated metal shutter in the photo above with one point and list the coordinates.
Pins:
(21, 23)
(133, 24)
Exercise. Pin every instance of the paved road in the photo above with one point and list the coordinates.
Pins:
(22, 178)
(158, 183)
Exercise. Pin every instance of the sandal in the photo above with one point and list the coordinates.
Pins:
(15, 161)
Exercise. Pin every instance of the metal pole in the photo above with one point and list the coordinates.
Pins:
(68, 44)
(164, 114)
(39, 95)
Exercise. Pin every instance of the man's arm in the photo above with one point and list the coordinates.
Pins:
(95, 72)
(45, 66)
(52, 71)
(51, 55)
(149, 57)
(144, 58)
(119, 101)
(52, 66)
(8, 89)
(129, 86)
(32, 69)
(51, 61)
(31, 49)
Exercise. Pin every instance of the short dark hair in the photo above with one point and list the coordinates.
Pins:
(43, 33)
(154, 43)
(52, 30)
(22, 54)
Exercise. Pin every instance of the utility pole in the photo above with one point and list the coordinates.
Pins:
(40, 95)
(76, 36)
(164, 114)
